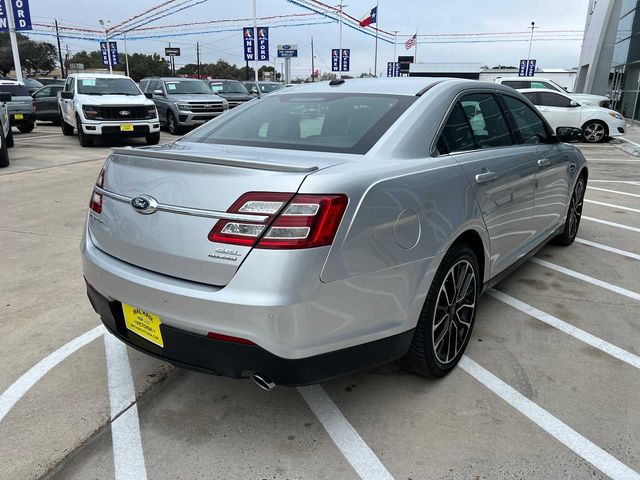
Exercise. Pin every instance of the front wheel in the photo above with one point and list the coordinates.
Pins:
(448, 315)
(152, 138)
(4, 154)
(595, 131)
(26, 128)
(9, 138)
(67, 130)
(85, 140)
(172, 124)
(574, 214)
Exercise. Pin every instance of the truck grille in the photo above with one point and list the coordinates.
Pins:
(208, 107)
(118, 113)
(235, 103)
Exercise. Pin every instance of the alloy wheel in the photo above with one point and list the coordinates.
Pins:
(575, 208)
(171, 120)
(454, 312)
(594, 132)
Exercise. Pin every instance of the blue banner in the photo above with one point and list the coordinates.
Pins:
(21, 14)
(263, 44)
(4, 21)
(522, 71)
(397, 69)
(390, 69)
(249, 46)
(104, 53)
(345, 62)
(335, 60)
(531, 68)
(113, 50)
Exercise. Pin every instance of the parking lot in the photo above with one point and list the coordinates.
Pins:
(549, 387)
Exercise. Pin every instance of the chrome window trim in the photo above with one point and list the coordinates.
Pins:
(194, 212)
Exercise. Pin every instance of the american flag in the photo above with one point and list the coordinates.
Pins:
(411, 42)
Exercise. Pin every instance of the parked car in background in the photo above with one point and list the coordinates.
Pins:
(598, 124)
(6, 139)
(45, 101)
(262, 88)
(20, 108)
(233, 91)
(183, 102)
(102, 105)
(32, 84)
(520, 83)
(294, 249)
(51, 81)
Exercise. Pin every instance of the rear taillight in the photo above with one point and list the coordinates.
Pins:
(294, 221)
(96, 198)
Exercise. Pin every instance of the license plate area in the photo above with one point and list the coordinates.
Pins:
(18, 116)
(126, 127)
(142, 323)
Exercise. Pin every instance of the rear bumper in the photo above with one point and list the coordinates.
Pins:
(26, 118)
(200, 353)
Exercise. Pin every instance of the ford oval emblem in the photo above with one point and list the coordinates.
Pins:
(124, 113)
(144, 204)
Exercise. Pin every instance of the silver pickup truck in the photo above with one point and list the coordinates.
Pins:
(20, 108)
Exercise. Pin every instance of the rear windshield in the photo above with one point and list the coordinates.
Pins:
(108, 86)
(326, 122)
(187, 87)
(228, 87)
(16, 90)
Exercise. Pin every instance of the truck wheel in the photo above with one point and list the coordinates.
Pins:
(26, 128)
(9, 138)
(4, 154)
(85, 140)
(172, 124)
(153, 138)
(67, 130)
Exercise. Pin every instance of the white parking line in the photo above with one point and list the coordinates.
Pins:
(587, 278)
(603, 461)
(619, 207)
(128, 456)
(35, 137)
(353, 447)
(628, 141)
(611, 224)
(569, 329)
(615, 191)
(21, 386)
(607, 248)
(628, 182)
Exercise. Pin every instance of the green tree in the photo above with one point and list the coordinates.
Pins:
(142, 65)
(34, 55)
(88, 59)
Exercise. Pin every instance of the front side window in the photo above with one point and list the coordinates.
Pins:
(187, 87)
(548, 99)
(324, 122)
(489, 126)
(528, 123)
(45, 92)
(107, 86)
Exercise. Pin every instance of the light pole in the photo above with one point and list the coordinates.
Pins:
(395, 42)
(533, 25)
(105, 26)
(255, 44)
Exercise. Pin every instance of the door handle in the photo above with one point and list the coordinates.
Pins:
(486, 176)
(544, 162)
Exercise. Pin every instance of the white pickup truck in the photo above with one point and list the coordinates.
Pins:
(109, 106)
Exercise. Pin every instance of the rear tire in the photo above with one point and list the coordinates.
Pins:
(4, 154)
(67, 130)
(27, 127)
(85, 140)
(9, 138)
(172, 124)
(448, 315)
(572, 222)
(153, 138)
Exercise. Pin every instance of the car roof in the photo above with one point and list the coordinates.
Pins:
(171, 78)
(97, 75)
(4, 81)
(546, 90)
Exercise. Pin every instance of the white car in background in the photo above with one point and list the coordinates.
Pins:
(598, 124)
(521, 83)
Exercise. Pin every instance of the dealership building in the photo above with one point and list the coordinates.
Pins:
(610, 58)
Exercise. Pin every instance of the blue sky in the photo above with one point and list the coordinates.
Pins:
(430, 16)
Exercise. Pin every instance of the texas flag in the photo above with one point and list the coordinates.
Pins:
(371, 18)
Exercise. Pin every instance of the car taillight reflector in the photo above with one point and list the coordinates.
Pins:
(300, 221)
(229, 338)
(95, 204)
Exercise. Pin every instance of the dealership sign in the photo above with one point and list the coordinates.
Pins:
(287, 51)
(251, 49)
(340, 63)
(109, 53)
(172, 51)
(21, 15)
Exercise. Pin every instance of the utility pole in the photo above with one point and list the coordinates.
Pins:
(375, 57)
(533, 25)
(59, 52)
(173, 66)
(255, 43)
(198, 57)
(313, 66)
(340, 42)
(14, 40)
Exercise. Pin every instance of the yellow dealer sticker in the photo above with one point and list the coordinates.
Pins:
(145, 324)
(126, 127)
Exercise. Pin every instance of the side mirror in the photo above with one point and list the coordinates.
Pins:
(149, 95)
(158, 92)
(5, 97)
(573, 103)
(66, 95)
(569, 134)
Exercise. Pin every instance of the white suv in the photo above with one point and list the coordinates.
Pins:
(105, 105)
(521, 83)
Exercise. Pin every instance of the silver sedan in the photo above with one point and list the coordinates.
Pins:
(329, 228)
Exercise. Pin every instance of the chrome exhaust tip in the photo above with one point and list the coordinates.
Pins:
(264, 383)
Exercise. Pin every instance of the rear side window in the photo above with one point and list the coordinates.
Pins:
(456, 135)
(323, 122)
(528, 123)
(549, 99)
(516, 83)
(15, 90)
(487, 122)
(543, 85)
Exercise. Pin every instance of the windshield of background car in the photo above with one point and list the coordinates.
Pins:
(229, 87)
(15, 90)
(269, 87)
(107, 86)
(186, 87)
(323, 122)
